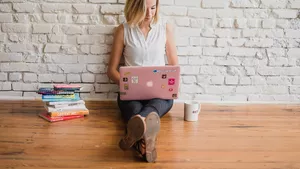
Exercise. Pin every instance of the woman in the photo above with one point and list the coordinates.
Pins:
(143, 41)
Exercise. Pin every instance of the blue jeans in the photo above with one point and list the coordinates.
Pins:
(130, 108)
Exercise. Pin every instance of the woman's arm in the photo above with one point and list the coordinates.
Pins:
(115, 56)
(171, 50)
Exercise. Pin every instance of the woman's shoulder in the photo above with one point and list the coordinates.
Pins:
(164, 24)
(119, 29)
(119, 32)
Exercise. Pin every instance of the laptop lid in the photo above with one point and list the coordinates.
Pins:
(148, 82)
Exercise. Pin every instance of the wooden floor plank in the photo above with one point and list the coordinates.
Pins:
(233, 136)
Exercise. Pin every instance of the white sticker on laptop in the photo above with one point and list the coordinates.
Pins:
(134, 79)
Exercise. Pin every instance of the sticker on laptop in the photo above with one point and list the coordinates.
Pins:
(174, 95)
(134, 79)
(127, 73)
(126, 87)
(163, 86)
(171, 89)
(125, 79)
(171, 81)
(164, 76)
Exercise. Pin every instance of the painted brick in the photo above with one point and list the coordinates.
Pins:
(213, 4)
(269, 23)
(3, 77)
(190, 3)
(84, 8)
(279, 80)
(30, 77)
(285, 13)
(273, 3)
(207, 98)
(235, 51)
(106, 88)
(25, 7)
(189, 79)
(231, 80)
(73, 78)
(6, 7)
(102, 78)
(292, 33)
(295, 4)
(244, 4)
(235, 98)
(15, 28)
(191, 88)
(56, 8)
(11, 57)
(164, 2)
(19, 86)
(88, 77)
(295, 89)
(112, 9)
(201, 13)
(6, 18)
(205, 60)
(210, 51)
(42, 28)
(101, 29)
(174, 10)
(296, 80)
(230, 13)
(219, 89)
(8, 94)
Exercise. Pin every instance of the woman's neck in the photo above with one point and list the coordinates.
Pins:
(145, 25)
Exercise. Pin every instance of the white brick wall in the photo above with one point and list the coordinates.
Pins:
(229, 50)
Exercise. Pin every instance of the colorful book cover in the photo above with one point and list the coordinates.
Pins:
(51, 91)
(58, 96)
(76, 98)
(47, 117)
(69, 113)
(67, 87)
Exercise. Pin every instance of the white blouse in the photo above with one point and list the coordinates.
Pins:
(141, 51)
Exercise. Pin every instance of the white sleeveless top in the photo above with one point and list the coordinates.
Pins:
(139, 51)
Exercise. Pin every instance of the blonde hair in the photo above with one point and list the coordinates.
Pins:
(135, 12)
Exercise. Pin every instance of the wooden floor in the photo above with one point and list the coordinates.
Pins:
(225, 137)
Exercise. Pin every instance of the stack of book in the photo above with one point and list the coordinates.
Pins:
(62, 102)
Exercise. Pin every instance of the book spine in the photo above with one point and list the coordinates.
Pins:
(69, 96)
(65, 102)
(59, 118)
(65, 108)
(69, 113)
(59, 100)
(67, 105)
(77, 98)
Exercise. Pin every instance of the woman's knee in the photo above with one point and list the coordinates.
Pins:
(135, 108)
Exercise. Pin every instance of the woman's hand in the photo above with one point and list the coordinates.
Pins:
(115, 56)
(171, 50)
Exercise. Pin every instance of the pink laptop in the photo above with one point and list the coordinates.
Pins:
(148, 82)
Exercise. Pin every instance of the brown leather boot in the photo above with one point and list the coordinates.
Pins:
(136, 128)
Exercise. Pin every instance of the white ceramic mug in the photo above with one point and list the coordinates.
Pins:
(191, 110)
